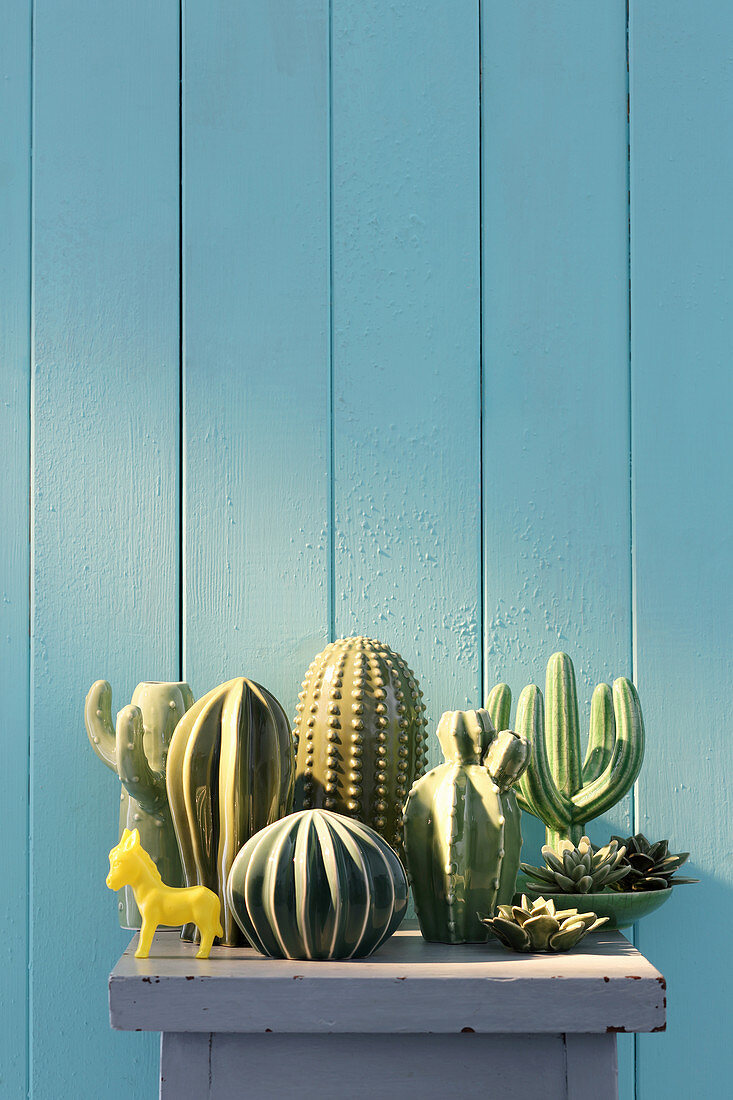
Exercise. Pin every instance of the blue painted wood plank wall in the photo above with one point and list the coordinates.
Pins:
(351, 317)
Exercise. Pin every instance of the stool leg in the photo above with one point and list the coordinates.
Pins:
(592, 1071)
(185, 1065)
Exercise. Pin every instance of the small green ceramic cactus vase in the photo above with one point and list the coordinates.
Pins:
(137, 750)
(456, 828)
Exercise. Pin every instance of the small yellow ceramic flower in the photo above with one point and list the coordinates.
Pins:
(130, 865)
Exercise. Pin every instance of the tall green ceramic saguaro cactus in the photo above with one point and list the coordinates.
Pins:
(137, 750)
(556, 787)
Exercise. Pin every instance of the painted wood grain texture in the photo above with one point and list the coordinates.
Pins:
(105, 480)
(15, 143)
(406, 363)
(557, 569)
(412, 406)
(256, 335)
(682, 388)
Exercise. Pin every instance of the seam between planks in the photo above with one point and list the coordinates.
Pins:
(482, 518)
(31, 565)
(181, 370)
(331, 556)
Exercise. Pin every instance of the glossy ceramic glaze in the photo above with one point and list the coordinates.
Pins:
(562, 789)
(360, 725)
(137, 750)
(230, 773)
(456, 835)
(130, 865)
(622, 909)
(317, 885)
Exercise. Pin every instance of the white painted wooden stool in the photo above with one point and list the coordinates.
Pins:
(415, 1020)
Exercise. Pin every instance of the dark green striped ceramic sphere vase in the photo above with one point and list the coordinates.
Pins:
(317, 885)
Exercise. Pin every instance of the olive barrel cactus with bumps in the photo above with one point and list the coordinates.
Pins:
(557, 787)
(136, 749)
(360, 731)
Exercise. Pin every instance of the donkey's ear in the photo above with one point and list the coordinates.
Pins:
(125, 834)
(134, 838)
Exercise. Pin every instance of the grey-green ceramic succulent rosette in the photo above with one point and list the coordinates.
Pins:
(581, 870)
(540, 926)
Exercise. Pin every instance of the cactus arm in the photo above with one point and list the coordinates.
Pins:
(499, 706)
(537, 791)
(628, 753)
(141, 782)
(602, 734)
(563, 730)
(507, 759)
(98, 721)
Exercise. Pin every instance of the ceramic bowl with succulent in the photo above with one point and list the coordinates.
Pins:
(622, 881)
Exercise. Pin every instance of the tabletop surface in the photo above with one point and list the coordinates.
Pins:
(409, 986)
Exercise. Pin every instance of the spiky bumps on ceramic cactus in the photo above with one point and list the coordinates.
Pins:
(317, 885)
(580, 870)
(360, 729)
(230, 773)
(556, 788)
(456, 841)
(136, 750)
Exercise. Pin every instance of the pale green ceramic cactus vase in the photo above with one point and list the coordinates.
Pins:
(137, 751)
(462, 846)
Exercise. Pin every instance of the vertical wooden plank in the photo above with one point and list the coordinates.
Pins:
(256, 340)
(555, 339)
(105, 510)
(406, 382)
(15, 251)
(682, 387)
(555, 322)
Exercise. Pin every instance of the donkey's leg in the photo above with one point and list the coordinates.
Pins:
(146, 938)
(207, 938)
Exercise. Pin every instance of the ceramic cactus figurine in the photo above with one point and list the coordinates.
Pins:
(539, 926)
(230, 773)
(317, 885)
(130, 865)
(136, 750)
(360, 727)
(556, 787)
(455, 828)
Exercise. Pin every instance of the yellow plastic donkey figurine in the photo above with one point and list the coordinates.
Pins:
(130, 865)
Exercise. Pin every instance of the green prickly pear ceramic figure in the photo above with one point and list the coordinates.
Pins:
(360, 727)
(137, 750)
(462, 835)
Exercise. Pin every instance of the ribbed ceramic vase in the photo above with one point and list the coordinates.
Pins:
(137, 749)
(230, 773)
(317, 885)
(457, 842)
